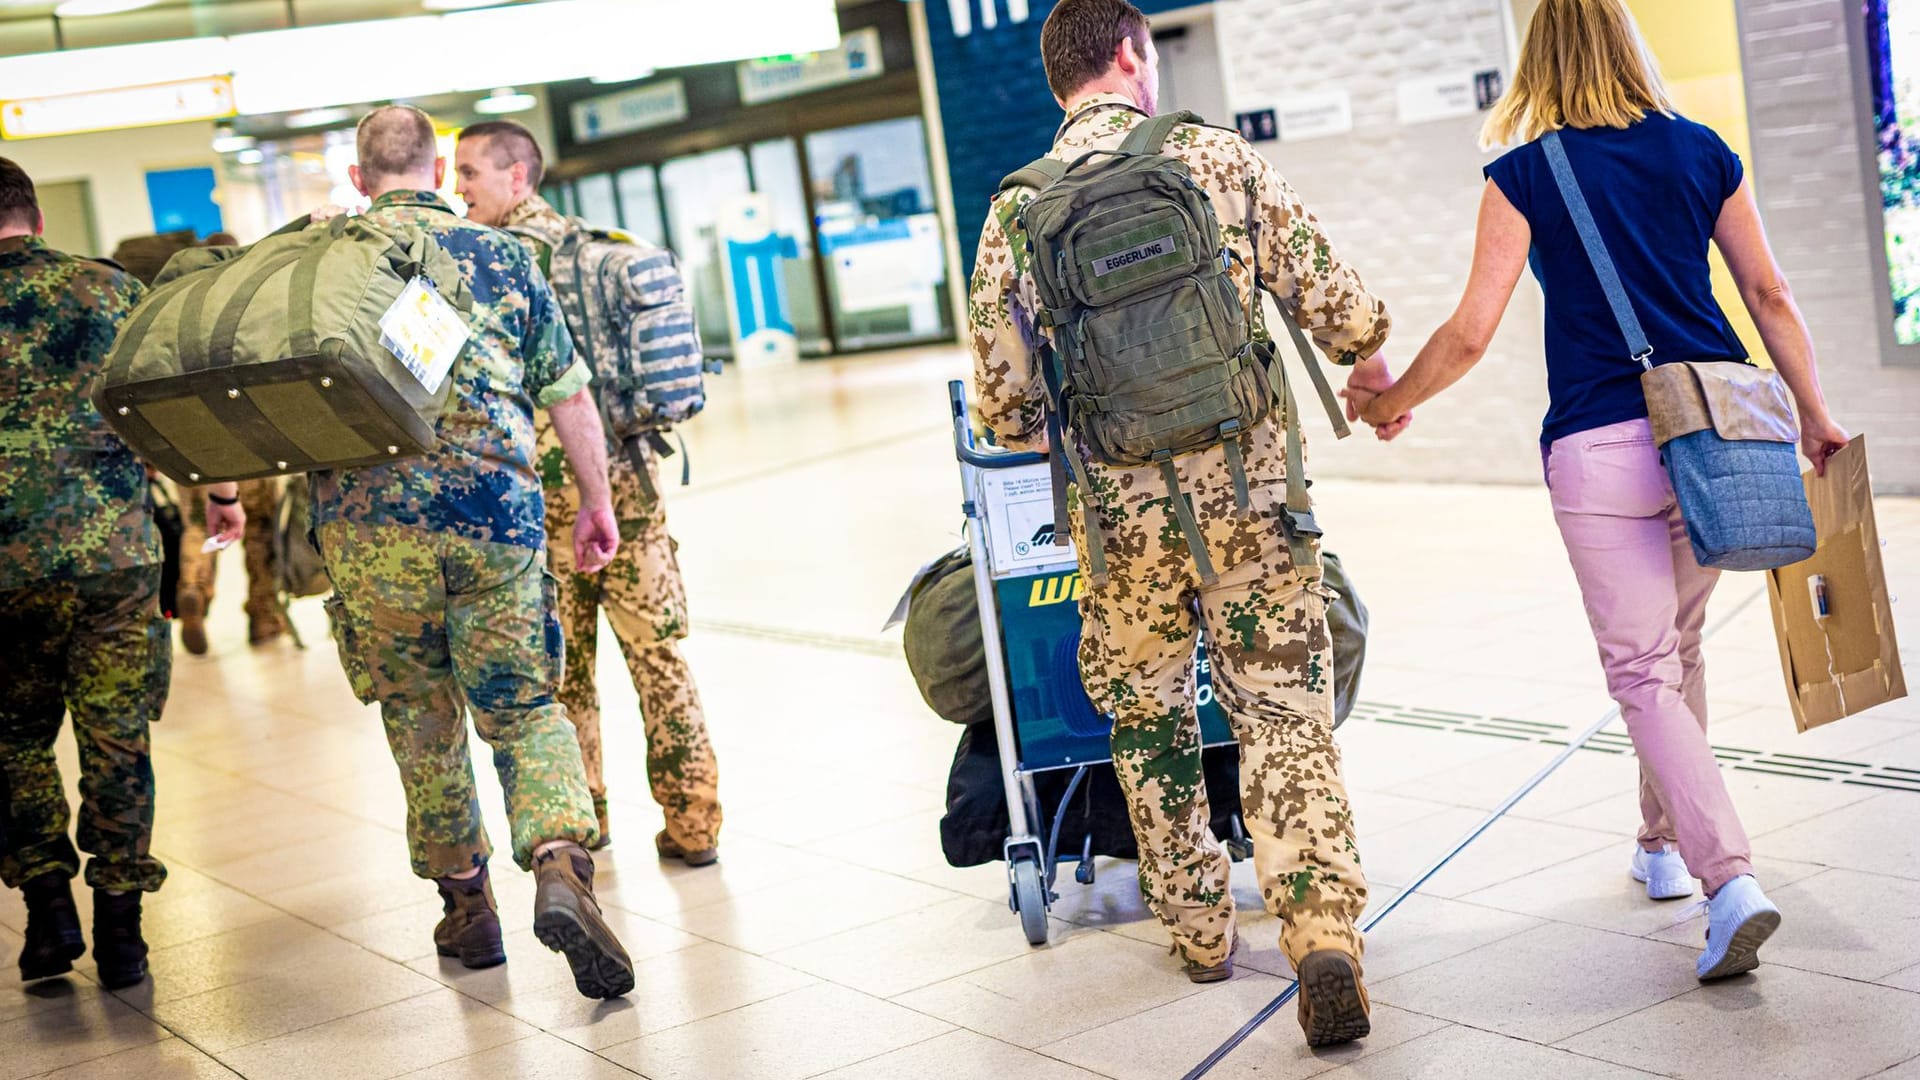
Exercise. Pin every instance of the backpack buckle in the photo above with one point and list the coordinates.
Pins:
(1303, 523)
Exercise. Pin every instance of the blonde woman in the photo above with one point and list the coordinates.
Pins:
(1661, 188)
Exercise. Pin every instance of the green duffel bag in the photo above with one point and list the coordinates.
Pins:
(272, 359)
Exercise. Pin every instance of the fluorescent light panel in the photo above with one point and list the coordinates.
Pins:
(283, 71)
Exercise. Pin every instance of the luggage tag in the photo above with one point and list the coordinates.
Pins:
(424, 332)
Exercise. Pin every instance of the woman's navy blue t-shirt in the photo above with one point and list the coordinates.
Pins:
(1656, 189)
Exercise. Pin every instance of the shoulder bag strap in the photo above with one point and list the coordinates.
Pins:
(1603, 268)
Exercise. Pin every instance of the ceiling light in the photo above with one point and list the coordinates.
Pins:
(319, 117)
(633, 75)
(458, 5)
(77, 9)
(226, 142)
(250, 157)
(505, 100)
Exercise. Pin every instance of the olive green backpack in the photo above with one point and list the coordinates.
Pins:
(1152, 352)
(270, 359)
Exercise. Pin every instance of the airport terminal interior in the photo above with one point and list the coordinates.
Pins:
(822, 172)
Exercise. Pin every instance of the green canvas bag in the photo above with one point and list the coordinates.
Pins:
(268, 360)
(1152, 353)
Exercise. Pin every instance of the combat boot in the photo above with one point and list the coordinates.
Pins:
(567, 919)
(470, 929)
(264, 628)
(1333, 1001)
(53, 928)
(193, 621)
(664, 845)
(119, 952)
(606, 826)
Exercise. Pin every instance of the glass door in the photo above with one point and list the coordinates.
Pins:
(880, 235)
(694, 190)
(776, 175)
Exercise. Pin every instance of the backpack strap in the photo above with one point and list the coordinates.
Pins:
(1062, 459)
(1148, 136)
(1036, 174)
(1183, 512)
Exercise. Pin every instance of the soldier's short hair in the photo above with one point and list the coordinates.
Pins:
(509, 141)
(395, 140)
(19, 206)
(1079, 38)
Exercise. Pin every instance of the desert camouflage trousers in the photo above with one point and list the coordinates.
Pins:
(95, 647)
(1271, 662)
(430, 626)
(260, 499)
(646, 603)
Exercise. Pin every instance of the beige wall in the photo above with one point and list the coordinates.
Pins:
(115, 165)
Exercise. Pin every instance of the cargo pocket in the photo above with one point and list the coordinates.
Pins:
(556, 642)
(352, 660)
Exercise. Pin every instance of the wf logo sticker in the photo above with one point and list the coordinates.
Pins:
(1057, 589)
(1044, 536)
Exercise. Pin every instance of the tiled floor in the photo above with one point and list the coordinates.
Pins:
(833, 941)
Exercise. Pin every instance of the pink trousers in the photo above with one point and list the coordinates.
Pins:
(1646, 599)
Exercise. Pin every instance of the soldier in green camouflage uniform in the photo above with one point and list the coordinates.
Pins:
(642, 591)
(1265, 619)
(444, 603)
(80, 625)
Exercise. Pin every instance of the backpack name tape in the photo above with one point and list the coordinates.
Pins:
(424, 332)
(1120, 260)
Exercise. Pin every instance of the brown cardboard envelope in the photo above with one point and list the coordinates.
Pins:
(1848, 662)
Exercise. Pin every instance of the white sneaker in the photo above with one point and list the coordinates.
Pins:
(1740, 919)
(1663, 872)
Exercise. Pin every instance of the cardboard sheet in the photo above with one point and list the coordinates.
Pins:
(1847, 662)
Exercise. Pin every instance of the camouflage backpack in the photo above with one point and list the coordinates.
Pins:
(627, 307)
(1152, 352)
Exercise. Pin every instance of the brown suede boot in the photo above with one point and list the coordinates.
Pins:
(1333, 1002)
(264, 628)
(566, 919)
(470, 928)
(193, 621)
(670, 850)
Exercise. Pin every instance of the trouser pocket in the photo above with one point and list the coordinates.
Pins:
(352, 659)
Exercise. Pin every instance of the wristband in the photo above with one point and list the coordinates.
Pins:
(218, 501)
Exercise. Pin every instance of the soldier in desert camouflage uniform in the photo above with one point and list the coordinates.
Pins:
(444, 602)
(80, 625)
(642, 592)
(1265, 617)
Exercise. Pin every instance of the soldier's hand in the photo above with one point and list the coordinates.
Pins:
(225, 523)
(596, 536)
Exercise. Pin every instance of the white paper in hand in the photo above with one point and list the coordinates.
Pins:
(425, 332)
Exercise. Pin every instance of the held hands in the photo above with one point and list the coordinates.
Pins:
(1820, 439)
(1371, 378)
(596, 536)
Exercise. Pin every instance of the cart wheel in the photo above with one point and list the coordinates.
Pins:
(1084, 873)
(1030, 900)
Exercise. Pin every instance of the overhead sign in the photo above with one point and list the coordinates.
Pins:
(1443, 97)
(856, 58)
(651, 106)
(209, 98)
(1316, 116)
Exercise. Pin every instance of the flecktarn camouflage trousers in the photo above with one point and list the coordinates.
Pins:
(95, 647)
(430, 625)
(1271, 661)
(646, 603)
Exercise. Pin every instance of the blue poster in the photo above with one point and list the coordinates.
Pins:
(183, 199)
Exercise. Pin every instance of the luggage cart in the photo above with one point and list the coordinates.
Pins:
(1026, 580)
